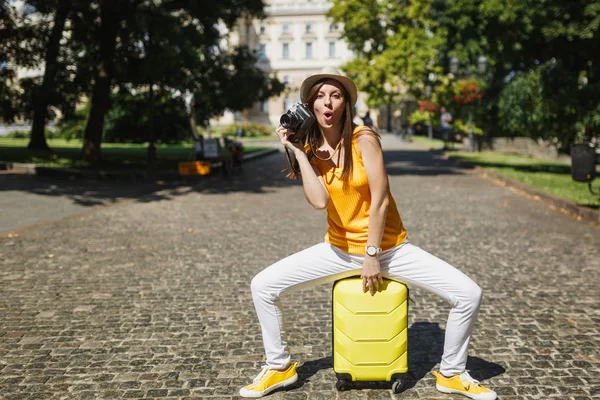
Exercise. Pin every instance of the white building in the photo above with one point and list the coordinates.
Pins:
(295, 40)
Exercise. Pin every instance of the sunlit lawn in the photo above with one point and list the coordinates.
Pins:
(546, 175)
(433, 144)
(68, 154)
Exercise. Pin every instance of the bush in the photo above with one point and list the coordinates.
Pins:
(27, 134)
(419, 117)
(129, 119)
(18, 135)
(461, 126)
(250, 129)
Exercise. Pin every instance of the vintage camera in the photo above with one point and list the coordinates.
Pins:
(296, 119)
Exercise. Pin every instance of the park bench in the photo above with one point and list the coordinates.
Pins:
(213, 153)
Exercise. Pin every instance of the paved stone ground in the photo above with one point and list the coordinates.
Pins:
(149, 298)
(27, 200)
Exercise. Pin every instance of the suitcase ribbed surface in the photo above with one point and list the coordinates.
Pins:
(370, 332)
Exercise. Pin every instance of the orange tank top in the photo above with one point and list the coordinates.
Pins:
(349, 206)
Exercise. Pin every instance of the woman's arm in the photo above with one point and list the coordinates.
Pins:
(372, 156)
(312, 181)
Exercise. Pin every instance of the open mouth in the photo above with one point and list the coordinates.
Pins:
(328, 115)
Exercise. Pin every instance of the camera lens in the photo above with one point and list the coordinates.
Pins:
(287, 121)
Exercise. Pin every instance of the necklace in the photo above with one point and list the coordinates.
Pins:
(330, 156)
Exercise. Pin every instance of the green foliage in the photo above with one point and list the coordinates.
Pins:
(170, 44)
(549, 176)
(9, 98)
(460, 126)
(131, 118)
(50, 134)
(521, 106)
(394, 44)
(72, 128)
(400, 43)
(419, 117)
(250, 129)
(18, 135)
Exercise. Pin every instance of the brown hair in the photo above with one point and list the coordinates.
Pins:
(314, 139)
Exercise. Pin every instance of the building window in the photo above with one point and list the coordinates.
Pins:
(333, 28)
(285, 28)
(286, 51)
(264, 106)
(309, 50)
(263, 29)
(331, 49)
(286, 79)
(309, 28)
(262, 51)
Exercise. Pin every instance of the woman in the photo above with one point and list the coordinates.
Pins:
(342, 170)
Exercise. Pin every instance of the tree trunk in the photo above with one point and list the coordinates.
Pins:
(193, 118)
(389, 118)
(42, 94)
(100, 101)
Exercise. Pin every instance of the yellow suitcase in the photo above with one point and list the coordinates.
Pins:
(370, 333)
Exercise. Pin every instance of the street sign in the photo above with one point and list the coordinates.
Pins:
(211, 148)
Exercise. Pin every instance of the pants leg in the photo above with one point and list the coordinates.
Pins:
(316, 265)
(412, 265)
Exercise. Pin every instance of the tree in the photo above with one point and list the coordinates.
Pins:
(8, 93)
(20, 46)
(173, 45)
(557, 42)
(112, 13)
(41, 94)
(554, 39)
(170, 47)
(395, 44)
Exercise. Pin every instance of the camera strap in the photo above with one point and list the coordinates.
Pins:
(289, 158)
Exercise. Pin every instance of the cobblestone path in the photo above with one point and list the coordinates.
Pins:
(149, 298)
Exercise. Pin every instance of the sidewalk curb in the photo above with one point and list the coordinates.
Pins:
(564, 206)
(127, 175)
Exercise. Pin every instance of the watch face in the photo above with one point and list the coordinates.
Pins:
(371, 250)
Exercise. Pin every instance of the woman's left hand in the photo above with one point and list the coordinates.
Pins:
(371, 274)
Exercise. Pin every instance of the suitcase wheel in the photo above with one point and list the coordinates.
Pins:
(397, 386)
(342, 385)
(344, 382)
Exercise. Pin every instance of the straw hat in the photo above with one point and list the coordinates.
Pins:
(329, 73)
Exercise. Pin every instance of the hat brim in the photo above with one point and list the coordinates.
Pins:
(344, 80)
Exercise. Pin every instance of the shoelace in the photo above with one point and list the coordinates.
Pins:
(467, 380)
(262, 373)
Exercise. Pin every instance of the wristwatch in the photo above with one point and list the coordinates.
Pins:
(372, 250)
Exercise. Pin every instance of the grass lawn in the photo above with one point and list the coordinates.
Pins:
(434, 144)
(67, 154)
(546, 175)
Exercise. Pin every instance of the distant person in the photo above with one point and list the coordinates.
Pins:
(367, 121)
(410, 131)
(446, 121)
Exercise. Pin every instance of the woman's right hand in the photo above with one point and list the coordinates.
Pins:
(284, 135)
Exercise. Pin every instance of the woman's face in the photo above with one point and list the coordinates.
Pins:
(330, 104)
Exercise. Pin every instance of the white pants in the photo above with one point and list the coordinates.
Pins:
(407, 263)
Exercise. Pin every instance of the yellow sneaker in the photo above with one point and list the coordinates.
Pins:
(465, 385)
(268, 380)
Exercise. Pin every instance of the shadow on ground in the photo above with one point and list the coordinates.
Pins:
(425, 347)
(258, 176)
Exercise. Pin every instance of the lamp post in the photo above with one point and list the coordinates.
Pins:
(481, 69)
(431, 79)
